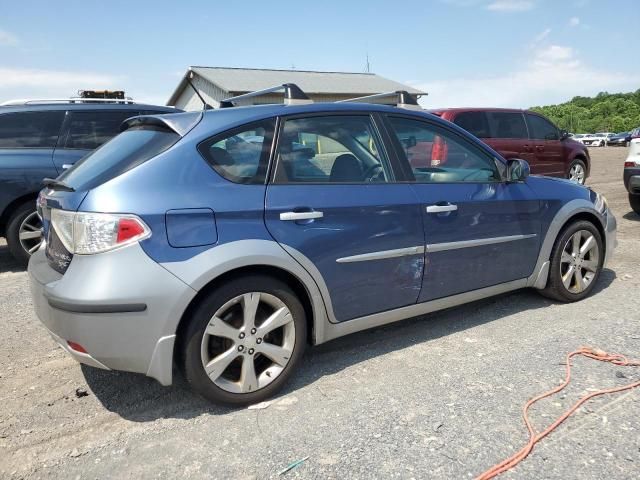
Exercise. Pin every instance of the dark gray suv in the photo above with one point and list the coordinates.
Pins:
(40, 139)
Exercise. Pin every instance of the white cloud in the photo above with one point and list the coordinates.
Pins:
(23, 82)
(511, 5)
(574, 21)
(554, 74)
(7, 39)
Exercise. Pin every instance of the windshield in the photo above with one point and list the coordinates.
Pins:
(124, 152)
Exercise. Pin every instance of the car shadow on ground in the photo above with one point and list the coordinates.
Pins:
(7, 262)
(139, 398)
(633, 216)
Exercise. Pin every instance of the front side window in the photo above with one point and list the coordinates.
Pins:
(241, 155)
(541, 128)
(507, 125)
(474, 122)
(30, 129)
(439, 156)
(330, 149)
(89, 130)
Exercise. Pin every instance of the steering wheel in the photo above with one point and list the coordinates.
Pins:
(372, 173)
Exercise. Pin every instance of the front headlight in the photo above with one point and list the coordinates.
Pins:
(601, 203)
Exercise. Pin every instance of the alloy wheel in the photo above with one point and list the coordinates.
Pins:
(579, 262)
(577, 174)
(248, 342)
(30, 233)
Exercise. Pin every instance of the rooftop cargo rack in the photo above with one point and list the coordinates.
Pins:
(127, 100)
(403, 99)
(293, 95)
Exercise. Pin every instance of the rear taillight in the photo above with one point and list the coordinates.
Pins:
(628, 164)
(438, 151)
(85, 233)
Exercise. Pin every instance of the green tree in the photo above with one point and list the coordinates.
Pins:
(605, 112)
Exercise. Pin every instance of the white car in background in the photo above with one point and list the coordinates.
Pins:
(594, 139)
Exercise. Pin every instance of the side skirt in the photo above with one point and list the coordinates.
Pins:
(335, 330)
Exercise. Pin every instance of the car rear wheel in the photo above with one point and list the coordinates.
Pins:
(244, 341)
(24, 232)
(577, 172)
(576, 262)
(634, 201)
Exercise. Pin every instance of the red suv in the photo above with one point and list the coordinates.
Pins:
(527, 135)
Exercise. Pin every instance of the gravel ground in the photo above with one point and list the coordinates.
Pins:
(432, 397)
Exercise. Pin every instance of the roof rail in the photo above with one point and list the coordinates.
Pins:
(403, 99)
(293, 95)
(27, 101)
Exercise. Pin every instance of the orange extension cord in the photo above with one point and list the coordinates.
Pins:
(535, 437)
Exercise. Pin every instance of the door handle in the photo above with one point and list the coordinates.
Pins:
(300, 215)
(441, 208)
(540, 148)
(67, 165)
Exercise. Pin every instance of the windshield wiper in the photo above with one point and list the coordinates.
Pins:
(54, 184)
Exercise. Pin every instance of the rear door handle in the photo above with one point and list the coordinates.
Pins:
(441, 208)
(288, 216)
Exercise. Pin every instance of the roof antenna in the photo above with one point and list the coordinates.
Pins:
(367, 67)
(205, 105)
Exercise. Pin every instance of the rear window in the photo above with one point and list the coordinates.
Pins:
(30, 129)
(507, 125)
(474, 122)
(126, 151)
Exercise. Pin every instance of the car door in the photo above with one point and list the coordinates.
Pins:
(479, 230)
(334, 205)
(548, 150)
(27, 140)
(510, 138)
(84, 131)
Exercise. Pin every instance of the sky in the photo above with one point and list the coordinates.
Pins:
(502, 53)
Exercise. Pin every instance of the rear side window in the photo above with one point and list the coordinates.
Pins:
(474, 122)
(89, 130)
(542, 129)
(507, 125)
(126, 151)
(30, 129)
(241, 155)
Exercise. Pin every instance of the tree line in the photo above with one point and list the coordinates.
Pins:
(606, 112)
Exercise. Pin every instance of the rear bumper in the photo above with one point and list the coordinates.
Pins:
(632, 180)
(120, 306)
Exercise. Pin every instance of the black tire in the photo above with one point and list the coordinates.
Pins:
(193, 336)
(580, 162)
(634, 201)
(555, 288)
(13, 231)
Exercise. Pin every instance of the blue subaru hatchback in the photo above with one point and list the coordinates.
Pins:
(227, 240)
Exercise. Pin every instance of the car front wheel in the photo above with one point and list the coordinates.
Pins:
(576, 262)
(577, 172)
(634, 201)
(244, 340)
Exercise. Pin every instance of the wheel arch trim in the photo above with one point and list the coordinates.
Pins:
(538, 279)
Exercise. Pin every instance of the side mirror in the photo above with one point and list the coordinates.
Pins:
(564, 134)
(517, 170)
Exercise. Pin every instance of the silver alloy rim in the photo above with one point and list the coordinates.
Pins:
(577, 174)
(30, 233)
(248, 342)
(579, 261)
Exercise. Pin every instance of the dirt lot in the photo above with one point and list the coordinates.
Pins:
(433, 397)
